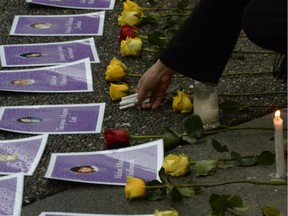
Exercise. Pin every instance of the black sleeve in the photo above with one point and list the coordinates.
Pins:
(201, 48)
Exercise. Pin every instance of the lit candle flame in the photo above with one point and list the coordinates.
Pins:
(277, 114)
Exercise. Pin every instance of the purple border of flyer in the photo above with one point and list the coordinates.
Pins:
(65, 78)
(53, 119)
(108, 167)
(20, 55)
(21, 155)
(14, 200)
(59, 25)
(92, 4)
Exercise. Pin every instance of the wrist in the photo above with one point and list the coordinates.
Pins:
(164, 69)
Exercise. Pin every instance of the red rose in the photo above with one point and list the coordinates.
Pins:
(126, 31)
(116, 139)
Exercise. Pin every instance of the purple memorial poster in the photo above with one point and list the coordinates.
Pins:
(11, 190)
(18, 55)
(77, 4)
(53, 119)
(65, 78)
(81, 214)
(59, 25)
(108, 166)
(21, 155)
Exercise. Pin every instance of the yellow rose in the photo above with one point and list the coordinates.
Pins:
(115, 71)
(166, 213)
(131, 18)
(117, 91)
(135, 188)
(176, 165)
(131, 46)
(182, 103)
(132, 6)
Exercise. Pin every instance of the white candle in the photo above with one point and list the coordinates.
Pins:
(206, 109)
(279, 146)
(205, 104)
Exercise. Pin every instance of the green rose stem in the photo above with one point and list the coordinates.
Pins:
(253, 52)
(246, 73)
(144, 136)
(277, 183)
(149, 50)
(167, 15)
(163, 9)
(228, 128)
(146, 37)
(249, 94)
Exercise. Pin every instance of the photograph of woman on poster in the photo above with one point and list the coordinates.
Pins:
(23, 82)
(30, 120)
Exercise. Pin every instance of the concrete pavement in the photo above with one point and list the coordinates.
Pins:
(100, 199)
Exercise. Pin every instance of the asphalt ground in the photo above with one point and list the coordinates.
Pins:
(262, 92)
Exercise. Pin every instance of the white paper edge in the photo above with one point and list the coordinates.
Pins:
(88, 70)
(2, 56)
(101, 14)
(111, 6)
(38, 154)
(18, 192)
(160, 152)
(90, 40)
(96, 130)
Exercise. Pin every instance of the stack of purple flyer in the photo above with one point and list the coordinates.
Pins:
(20, 55)
(53, 119)
(59, 25)
(109, 166)
(11, 190)
(77, 4)
(65, 78)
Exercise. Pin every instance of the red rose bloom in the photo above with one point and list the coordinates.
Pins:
(126, 31)
(116, 139)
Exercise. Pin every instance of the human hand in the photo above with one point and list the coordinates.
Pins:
(154, 83)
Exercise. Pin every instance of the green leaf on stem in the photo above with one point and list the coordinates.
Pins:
(189, 139)
(235, 202)
(247, 162)
(271, 210)
(218, 147)
(171, 33)
(225, 164)
(193, 126)
(162, 175)
(154, 16)
(205, 167)
(188, 191)
(265, 158)
(176, 195)
(236, 157)
(240, 161)
(231, 106)
(220, 203)
(171, 138)
(155, 39)
(156, 193)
